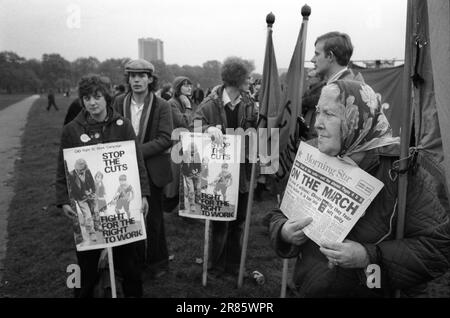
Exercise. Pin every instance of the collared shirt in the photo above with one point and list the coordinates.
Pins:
(335, 77)
(136, 113)
(227, 101)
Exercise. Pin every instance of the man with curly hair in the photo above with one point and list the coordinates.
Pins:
(229, 106)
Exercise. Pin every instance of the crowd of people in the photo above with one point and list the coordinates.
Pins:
(344, 119)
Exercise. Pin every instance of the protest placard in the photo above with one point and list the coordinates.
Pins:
(209, 185)
(105, 191)
(331, 191)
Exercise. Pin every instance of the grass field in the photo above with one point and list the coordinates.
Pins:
(7, 100)
(41, 246)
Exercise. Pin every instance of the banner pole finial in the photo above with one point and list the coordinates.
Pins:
(270, 19)
(306, 11)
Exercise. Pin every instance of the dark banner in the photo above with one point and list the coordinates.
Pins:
(388, 83)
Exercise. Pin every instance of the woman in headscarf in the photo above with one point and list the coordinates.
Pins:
(351, 126)
(181, 103)
(182, 118)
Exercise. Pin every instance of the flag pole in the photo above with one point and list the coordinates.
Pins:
(247, 226)
(306, 12)
(206, 253)
(111, 272)
(405, 129)
(292, 100)
(284, 273)
(270, 20)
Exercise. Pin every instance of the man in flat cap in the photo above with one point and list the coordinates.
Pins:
(151, 118)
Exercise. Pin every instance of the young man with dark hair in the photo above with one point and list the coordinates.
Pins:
(229, 106)
(332, 54)
(151, 117)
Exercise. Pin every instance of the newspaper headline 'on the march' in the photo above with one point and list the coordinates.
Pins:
(209, 185)
(105, 191)
(332, 191)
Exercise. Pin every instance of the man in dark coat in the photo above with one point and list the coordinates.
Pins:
(151, 118)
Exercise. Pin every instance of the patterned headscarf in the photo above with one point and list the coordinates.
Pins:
(364, 125)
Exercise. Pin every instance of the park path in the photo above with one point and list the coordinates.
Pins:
(12, 124)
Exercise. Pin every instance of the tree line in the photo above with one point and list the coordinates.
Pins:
(52, 71)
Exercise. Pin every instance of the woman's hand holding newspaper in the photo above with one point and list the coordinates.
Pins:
(292, 231)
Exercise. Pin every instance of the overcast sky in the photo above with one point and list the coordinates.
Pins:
(195, 31)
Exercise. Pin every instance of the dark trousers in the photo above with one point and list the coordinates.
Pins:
(125, 260)
(226, 244)
(52, 103)
(157, 255)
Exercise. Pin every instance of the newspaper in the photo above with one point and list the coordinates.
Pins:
(209, 185)
(334, 193)
(105, 191)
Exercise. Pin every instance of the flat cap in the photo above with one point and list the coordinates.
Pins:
(139, 66)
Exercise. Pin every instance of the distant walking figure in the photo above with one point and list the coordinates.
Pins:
(51, 100)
